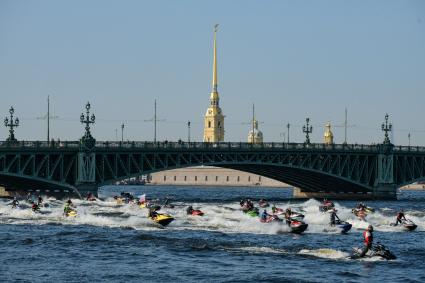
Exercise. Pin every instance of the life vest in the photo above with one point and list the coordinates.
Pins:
(368, 237)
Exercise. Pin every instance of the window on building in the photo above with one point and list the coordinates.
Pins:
(175, 178)
(249, 178)
(185, 178)
(219, 124)
(209, 124)
(239, 178)
(196, 178)
(165, 178)
(206, 178)
(216, 178)
(227, 179)
(259, 178)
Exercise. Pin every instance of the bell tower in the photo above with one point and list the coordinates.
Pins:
(214, 118)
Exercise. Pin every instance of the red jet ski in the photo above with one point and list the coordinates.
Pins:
(297, 226)
(197, 212)
(194, 212)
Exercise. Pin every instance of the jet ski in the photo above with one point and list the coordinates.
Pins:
(297, 226)
(263, 203)
(71, 213)
(360, 213)
(377, 250)
(343, 225)
(162, 219)
(297, 215)
(197, 212)
(253, 212)
(407, 224)
(277, 210)
(270, 218)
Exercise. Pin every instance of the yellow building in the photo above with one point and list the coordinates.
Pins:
(328, 136)
(255, 135)
(214, 118)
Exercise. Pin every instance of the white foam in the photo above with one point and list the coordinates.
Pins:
(325, 253)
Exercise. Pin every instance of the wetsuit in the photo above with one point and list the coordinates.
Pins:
(189, 210)
(35, 207)
(400, 216)
(15, 203)
(333, 218)
(67, 209)
(264, 216)
(152, 213)
(368, 239)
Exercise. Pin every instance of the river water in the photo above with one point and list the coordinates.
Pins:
(107, 242)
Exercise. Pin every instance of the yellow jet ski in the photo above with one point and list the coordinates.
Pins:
(72, 213)
(163, 219)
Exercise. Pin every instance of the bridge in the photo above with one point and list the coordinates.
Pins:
(375, 171)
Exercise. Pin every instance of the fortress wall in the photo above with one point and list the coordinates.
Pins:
(211, 176)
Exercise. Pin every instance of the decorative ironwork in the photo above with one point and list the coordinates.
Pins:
(87, 140)
(307, 129)
(11, 124)
(387, 127)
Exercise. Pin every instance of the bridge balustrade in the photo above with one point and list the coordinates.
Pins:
(203, 146)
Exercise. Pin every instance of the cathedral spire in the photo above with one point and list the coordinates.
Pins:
(214, 118)
(214, 80)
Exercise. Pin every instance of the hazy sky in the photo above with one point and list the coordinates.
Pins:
(293, 59)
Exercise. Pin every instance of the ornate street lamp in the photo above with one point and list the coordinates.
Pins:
(387, 127)
(122, 132)
(87, 139)
(307, 129)
(11, 124)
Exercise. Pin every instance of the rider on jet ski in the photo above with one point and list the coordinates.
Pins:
(189, 210)
(67, 209)
(400, 216)
(368, 240)
(35, 207)
(15, 202)
(288, 213)
(333, 217)
(264, 215)
(361, 206)
(152, 212)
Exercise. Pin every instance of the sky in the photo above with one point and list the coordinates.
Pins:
(292, 59)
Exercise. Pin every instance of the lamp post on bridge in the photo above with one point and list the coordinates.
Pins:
(188, 131)
(122, 132)
(87, 139)
(288, 125)
(11, 124)
(386, 127)
(408, 136)
(307, 129)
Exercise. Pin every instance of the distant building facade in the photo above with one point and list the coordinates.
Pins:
(211, 176)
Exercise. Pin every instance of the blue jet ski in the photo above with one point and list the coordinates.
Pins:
(343, 225)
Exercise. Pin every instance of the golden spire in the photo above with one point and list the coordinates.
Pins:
(214, 81)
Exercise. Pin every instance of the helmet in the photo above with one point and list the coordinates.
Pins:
(370, 228)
